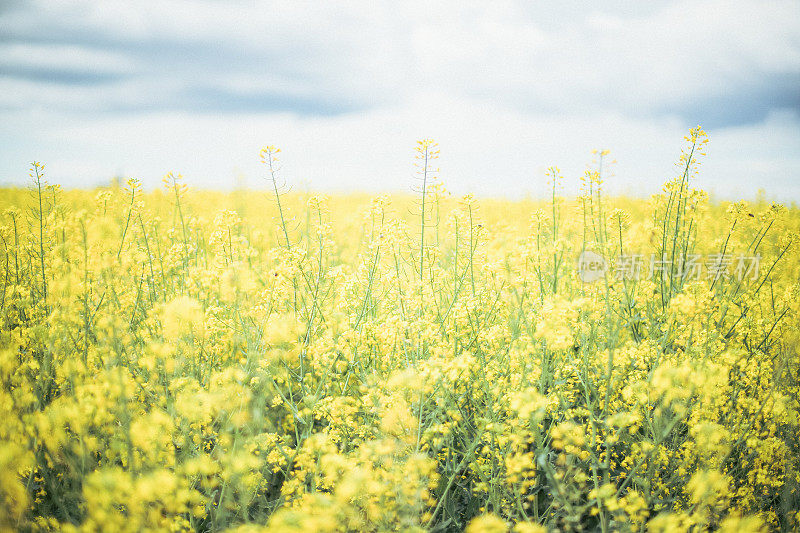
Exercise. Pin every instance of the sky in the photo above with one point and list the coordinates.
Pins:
(96, 89)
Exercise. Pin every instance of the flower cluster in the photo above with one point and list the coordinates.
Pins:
(197, 361)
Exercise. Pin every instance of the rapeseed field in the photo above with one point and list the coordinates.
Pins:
(189, 360)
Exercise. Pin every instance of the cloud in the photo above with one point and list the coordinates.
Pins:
(691, 58)
(42, 57)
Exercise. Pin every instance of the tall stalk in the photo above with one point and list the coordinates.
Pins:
(37, 173)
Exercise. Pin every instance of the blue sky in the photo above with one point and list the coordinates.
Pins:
(96, 89)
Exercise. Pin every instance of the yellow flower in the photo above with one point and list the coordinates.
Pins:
(182, 315)
(487, 523)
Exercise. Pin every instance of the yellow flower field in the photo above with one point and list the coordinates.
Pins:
(278, 361)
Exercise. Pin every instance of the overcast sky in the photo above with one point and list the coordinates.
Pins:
(140, 88)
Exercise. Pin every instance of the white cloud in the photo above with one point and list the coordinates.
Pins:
(79, 59)
(584, 59)
(16, 93)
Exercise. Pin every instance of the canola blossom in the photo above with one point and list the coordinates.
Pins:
(188, 360)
